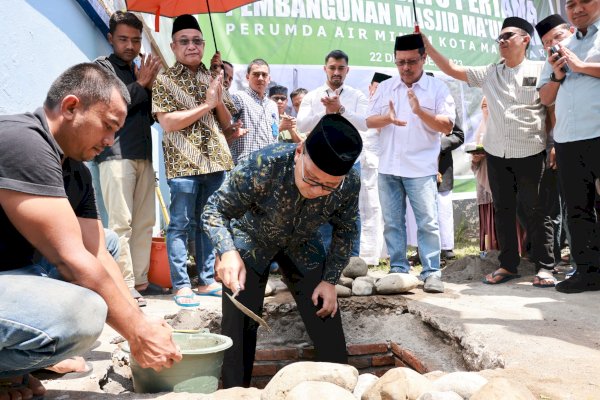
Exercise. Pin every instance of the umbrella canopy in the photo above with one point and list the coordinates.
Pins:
(175, 8)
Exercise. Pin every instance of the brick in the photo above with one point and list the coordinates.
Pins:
(396, 349)
(277, 354)
(398, 362)
(380, 361)
(308, 353)
(413, 362)
(379, 372)
(264, 369)
(360, 362)
(367, 348)
(260, 382)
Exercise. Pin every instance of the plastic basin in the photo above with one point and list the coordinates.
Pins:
(197, 372)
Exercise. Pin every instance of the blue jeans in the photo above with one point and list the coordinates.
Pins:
(326, 230)
(422, 193)
(44, 321)
(189, 195)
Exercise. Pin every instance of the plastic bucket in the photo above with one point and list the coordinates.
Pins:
(197, 372)
(159, 272)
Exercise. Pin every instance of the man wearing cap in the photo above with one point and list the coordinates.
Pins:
(270, 209)
(195, 113)
(287, 123)
(257, 112)
(570, 81)
(515, 144)
(371, 230)
(412, 110)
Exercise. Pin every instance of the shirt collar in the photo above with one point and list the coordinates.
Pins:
(181, 69)
(329, 91)
(591, 30)
(255, 95)
(422, 83)
(115, 59)
(40, 114)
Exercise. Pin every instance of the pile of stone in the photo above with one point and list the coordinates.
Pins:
(357, 280)
(316, 380)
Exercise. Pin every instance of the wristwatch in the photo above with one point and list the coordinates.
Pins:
(553, 78)
(341, 110)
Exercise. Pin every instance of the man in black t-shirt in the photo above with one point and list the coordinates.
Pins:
(43, 320)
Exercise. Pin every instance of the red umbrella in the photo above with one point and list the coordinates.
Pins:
(175, 8)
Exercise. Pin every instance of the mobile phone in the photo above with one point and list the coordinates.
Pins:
(556, 50)
(236, 117)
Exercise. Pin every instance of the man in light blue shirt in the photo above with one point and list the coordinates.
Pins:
(570, 79)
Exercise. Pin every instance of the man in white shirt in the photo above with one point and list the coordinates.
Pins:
(334, 97)
(412, 110)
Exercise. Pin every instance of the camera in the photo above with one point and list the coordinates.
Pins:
(555, 49)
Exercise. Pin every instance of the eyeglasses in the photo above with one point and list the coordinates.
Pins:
(186, 42)
(278, 98)
(410, 62)
(506, 36)
(318, 184)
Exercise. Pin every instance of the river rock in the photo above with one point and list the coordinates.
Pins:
(367, 278)
(343, 291)
(344, 376)
(463, 383)
(356, 267)
(440, 396)
(318, 390)
(269, 290)
(364, 382)
(398, 384)
(345, 281)
(396, 283)
(377, 274)
(500, 389)
(235, 393)
(433, 375)
(362, 287)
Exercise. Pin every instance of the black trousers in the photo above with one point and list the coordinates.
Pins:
(579, 169)
(515, 180)
(326, 333)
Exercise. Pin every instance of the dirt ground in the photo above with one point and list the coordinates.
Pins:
(547, 340)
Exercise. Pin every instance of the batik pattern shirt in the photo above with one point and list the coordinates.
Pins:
(199, 148)
(259, 211)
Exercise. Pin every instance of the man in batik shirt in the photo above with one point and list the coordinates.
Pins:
(270, 209)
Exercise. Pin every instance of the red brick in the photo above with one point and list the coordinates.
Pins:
(260, 382)
(264, 369)
(367, 348)
(379, 372)
(379, 361)
(413, 362)
(396, 349)
(360, 362)
(277, 354)
(308, 353)
(398, 362)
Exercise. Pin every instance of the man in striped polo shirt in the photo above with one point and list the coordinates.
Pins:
(515, 144)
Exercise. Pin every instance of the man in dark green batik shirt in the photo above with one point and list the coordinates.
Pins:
(270, 209)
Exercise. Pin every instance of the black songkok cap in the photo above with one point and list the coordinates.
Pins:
(518, 23)
(379, 77)
(277, 90)
(185, 21)
(549, 23)
(334, 145)
(413, 41)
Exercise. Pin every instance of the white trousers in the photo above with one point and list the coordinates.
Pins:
(372, 243)
(445, 221)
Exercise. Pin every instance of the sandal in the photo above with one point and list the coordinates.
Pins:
(544, 276)
(179, 297)
(506, 276)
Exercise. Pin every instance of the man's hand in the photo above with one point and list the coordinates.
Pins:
(216, 64)
(325, 291)
(571, 59)
(477, 158)
(234, 131)
(146, 73)
(231, 270)
(392, 116)
(287, 123)
(332, 104)
(552, 159)
(558, 62)
(152, 345)
(413, 101)
(215, 91)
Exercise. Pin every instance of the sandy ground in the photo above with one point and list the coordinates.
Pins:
(547, 340)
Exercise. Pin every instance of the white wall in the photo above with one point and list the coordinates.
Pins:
(40, 39)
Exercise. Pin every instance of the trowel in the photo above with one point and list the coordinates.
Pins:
(247, 311)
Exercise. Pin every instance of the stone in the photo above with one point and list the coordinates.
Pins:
(501, 388)
(363, 383)
(377, 274)
(440, 396)
(433, 375)
(463, 383)
(362, 287)
(344, 376)
(345, 281)
(318, 390)
(269, 290)
(396, 283)
(367, 278)
(343, 291)
(235, 393)
(398, 384)
(356, 267)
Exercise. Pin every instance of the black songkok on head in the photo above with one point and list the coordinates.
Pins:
(379, 77)
(334, 145)
(413, 41)
(277, 90)
(518, 23)
(549, 23)
(185, 21)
